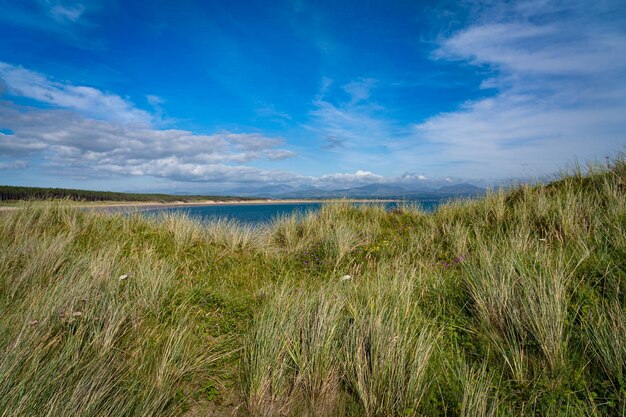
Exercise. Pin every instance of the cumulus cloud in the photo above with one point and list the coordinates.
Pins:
(74, 142)
(176, 169)
(411, 176)
(88, 133)
(561, 93)
(99, 147)
(74, 145)
(358, 177)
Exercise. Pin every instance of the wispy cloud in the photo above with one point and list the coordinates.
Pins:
(69, 21)
(71, 13)
(559, 69)
(359, 90)
(356, 126)
(333, 142)
(89, 101)
(361, 133)
(14, 165)
(270, 112)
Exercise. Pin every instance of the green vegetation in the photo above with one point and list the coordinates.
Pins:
(10, 193)
(511, 305)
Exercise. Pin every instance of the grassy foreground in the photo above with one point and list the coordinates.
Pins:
(511, 305)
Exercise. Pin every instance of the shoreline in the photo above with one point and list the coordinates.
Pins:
(156, 205)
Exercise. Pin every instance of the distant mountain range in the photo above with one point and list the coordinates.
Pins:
(365, 191)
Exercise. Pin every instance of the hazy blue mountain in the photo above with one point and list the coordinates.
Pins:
(265, 191)
(386, 191)
(463, 189)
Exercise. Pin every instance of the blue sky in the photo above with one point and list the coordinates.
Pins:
(212, 96)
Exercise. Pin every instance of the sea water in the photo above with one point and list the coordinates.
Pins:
(264, 213)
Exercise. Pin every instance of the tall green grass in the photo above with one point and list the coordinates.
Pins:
(514, 304)
(77, 339)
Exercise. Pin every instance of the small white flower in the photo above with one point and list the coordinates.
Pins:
(123, 277)
(345, 278)
(543, 240)
(77, 314)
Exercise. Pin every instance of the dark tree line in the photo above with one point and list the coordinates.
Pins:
(36, 193)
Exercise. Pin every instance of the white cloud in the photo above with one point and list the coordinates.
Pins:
(75, 146)
(559, 69)
(359, 90)
(71, 13)
(355, 129)
(556, 48)
(359, 132)
(410, 176)
(355, 126)
(97, 147)
(154, 100)
(270, 112)
(176, 169)
(90, 133)
(358, 177)
(89, 101)
(14, 165)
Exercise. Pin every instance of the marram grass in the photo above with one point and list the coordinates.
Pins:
(514, 304)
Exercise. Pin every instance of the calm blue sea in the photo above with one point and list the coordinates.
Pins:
(260, 213)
